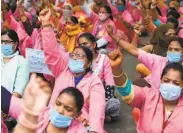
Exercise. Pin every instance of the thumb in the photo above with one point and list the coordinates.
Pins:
(119, 53)
(33, 78)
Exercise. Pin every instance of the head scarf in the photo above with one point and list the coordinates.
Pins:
(161, 41)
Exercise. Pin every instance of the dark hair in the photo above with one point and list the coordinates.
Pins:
(13, 35)
(42, 76)
(89, 55)
(174, 14)
(108, 9)
(74, 20)
(78, 96)
(89, 37)
(158, 10)
(179, 40)
(174, 21)
(174, 66)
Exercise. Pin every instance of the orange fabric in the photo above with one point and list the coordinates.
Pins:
(143, 70)
(136, 114)
(68, 39)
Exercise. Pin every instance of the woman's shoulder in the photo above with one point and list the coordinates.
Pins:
(21, 60)
(147, 91)
(77, 127)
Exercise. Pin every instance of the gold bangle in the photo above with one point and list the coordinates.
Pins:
(118, 76)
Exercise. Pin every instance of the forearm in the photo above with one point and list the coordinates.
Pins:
(124, 86)
(27, 123)
(23, 17)
(135, 40)
(133, 50)
(154, 13)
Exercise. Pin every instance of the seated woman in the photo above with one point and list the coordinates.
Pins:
(70, 33)
(100, 21)
(14, 68)
(74, 70)
(160, 109)
(154, 62)
(102, 68)
(37, 118)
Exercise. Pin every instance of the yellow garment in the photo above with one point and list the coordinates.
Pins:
(68, 39)
(143, 70)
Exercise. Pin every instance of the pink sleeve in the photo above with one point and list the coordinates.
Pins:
(97, 106)
(108, 78)
(93, 17)
(106, 35)
(140, 97)
(149, 60)
(126, 16)
(113, 8)
(55, 58)
(181, 33)
(24, 39)
(36, 39)
(15, 107)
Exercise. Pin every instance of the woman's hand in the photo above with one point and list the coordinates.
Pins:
(109, 29)
(138, 27)
(116, 59)
(36, 95)
(44, 16)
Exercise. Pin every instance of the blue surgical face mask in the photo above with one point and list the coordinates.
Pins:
(7, 49)
(174, 56)
(170, 92)
(121, 8)
(133, 3)
(59, 120)
(76, 66)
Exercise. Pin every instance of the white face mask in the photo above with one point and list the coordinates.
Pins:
(103, 16)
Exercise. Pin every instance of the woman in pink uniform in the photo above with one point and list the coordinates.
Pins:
(160, 109)
(74, 71)
(154, 62)
(102, 68)
(100, 21)
(35, 117)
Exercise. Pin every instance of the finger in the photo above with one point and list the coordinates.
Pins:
(44, 11)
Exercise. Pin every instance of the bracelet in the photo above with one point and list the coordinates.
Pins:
(26, 123)
(46, 25)
(118, 76)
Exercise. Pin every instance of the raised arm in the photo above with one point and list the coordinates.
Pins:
(56, 59)
(130, 48)
(87, 9)
(132, 95)
(36, 97)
